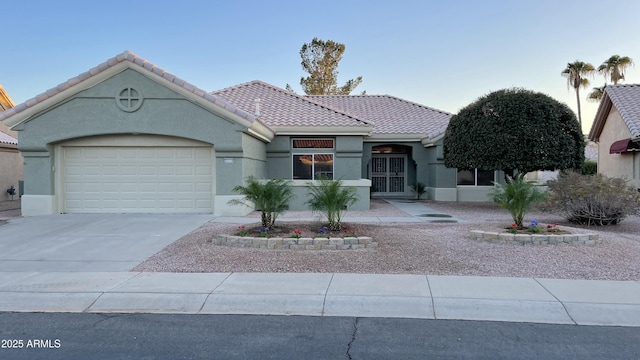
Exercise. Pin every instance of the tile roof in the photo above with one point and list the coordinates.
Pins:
(279, 107)
(391, 115)
(7, 139)
(626, 98)
(142, 64)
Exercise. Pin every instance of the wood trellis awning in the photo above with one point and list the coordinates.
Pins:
(623, 146)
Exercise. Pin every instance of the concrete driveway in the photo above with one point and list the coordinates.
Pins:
(88, 242)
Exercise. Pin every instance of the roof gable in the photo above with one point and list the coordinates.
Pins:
(287, 112)
(117, 64)
(626, 99)
(390, 114)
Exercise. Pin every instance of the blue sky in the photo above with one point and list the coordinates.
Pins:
(443, 54)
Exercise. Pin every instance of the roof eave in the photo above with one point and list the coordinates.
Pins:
(261, 131)
(601, 118)
(323, 130)
(58, 94)
(395, 137)
(68, 89)
(429, 141)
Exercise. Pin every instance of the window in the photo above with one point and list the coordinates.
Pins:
(476, 177)
(311, 160)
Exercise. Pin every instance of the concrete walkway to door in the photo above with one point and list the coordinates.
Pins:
(89, 242)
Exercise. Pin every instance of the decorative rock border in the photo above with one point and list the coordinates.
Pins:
(347, 243)
(535, 239)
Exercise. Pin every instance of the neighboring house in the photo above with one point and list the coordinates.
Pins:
(127, 136)
(616, 129)
(10, 158)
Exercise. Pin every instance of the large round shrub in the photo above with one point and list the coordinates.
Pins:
(514, 129)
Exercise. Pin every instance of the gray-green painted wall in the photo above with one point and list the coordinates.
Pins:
(347, 161)
(164, 112)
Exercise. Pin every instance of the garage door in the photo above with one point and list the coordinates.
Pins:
(129, 179)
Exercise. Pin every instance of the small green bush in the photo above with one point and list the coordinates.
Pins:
(271, 197)
(517, 196)
(592, 199)
(589, 167)
(419, 189)
(331, 198)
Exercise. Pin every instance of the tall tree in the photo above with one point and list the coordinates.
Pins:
(596, 93)
(514, 129)
(614, 67)
(320, 59)
(576, 73)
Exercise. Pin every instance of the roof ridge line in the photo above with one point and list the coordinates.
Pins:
(387, 96)
(293, 94)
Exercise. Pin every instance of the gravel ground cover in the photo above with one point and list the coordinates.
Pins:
(417, 248)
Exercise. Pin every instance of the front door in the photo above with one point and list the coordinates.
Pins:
(388, 174)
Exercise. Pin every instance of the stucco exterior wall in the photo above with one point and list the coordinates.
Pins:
(301, 194)
(442, 180)
(94, 112)
(616, 165)
(347, 158)
(347, 163)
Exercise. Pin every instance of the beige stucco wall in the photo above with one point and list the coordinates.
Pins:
(10, 170)
(616, 165)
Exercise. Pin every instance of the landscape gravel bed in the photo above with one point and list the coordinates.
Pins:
(419, 248)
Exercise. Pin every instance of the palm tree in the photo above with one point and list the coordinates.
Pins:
(517, 196)
(614, 67)
(270, 197)
(330, 198)
(575, 73)
(596, 93)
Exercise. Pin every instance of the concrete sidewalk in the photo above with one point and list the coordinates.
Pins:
(582, 302)
(419, 213)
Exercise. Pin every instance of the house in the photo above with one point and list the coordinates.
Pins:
(616, 129)
(10, 158)
(128, 136)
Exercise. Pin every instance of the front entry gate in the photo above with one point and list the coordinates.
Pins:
(388, 174)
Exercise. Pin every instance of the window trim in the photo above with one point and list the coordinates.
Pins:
(475, 179)
(295, 151)
(313, 164)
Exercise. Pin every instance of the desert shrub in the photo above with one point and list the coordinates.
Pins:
(589, 167)
(517, 196)
(592, 199)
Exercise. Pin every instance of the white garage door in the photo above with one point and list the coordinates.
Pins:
(129, 179)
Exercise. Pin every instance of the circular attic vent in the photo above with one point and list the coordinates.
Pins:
(129, 99)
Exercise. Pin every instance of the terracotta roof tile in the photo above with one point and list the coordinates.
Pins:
(391, 115)
(279, 107)
(133, 58)
(626, 98)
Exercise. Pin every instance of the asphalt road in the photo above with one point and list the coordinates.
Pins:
(145, 336)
